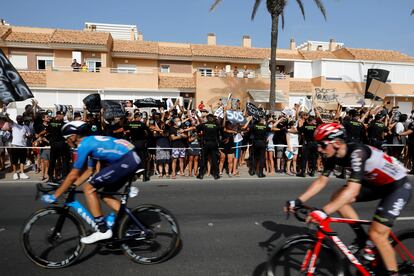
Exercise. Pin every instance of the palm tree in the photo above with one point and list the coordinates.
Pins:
(276, 9)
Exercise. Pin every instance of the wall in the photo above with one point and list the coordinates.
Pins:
(210, 89)
(63, 58)
(140, 63)
(177, 66)
(31, 55)
(100, 80)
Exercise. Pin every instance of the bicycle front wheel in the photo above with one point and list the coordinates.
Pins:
(162, 240)
(51, 237)
(289, 258)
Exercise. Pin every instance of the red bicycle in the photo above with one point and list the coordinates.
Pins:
(322, 252)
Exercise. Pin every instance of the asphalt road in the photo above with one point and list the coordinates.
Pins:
(228, 226)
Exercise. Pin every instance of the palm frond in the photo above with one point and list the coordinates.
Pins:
(302, 8)
(412, 12)
(216, 2)
(255, 7)
(321, 7)
(283, 20)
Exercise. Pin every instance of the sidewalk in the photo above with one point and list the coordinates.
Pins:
(37, 177)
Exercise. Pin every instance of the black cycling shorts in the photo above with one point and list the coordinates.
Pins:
(116, 174)
(393, 197)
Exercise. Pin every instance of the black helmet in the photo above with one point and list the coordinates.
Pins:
(75, 127)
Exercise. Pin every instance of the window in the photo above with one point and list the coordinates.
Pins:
(43, 62)
(205, 72)
(165, 68)
(94, 65)
(19, 61)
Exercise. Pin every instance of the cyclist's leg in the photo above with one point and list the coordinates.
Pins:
(112, 202)
(388, 210)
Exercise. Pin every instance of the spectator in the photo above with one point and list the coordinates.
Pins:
(18, 152)
(84, 67)
(201, 106)
(75, 65)
(178, 139)
(235, 71)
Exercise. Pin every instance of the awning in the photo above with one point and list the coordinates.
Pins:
(262, 96)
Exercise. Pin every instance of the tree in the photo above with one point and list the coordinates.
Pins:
(276, 9)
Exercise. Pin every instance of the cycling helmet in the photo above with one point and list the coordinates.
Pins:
(329, 131)
(74, 127)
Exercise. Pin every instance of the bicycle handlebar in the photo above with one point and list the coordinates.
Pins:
(301, 213)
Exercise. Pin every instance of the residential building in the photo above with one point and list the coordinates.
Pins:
(124, 67)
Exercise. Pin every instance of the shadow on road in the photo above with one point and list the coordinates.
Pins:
(280, 232)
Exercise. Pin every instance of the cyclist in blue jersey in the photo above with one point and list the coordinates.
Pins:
(118, 162)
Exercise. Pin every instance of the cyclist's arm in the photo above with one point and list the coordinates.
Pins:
(69, 180)
(346, 196)
(84, 176)
(314, 188)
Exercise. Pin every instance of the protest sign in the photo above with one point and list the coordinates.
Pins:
(235, 117)
(12, 86)
(253, 110)
(92, 102)
(375, 74)
(219, 112)
(378, 90)
(112, 109)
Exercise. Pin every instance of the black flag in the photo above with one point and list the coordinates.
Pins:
(377, 74)
(148, 102)
(93, 102)
(12, 86)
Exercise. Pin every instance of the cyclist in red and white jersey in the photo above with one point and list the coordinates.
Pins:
(374, 175)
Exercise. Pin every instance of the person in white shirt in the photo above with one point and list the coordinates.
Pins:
(292, 139)
(18, 152)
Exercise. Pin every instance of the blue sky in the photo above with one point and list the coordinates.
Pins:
(375, 24)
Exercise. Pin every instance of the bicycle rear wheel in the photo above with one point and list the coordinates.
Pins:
(288, 257)
(162, 241)
(405, 263)
(51, 237)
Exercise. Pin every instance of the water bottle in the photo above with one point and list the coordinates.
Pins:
(110, 219)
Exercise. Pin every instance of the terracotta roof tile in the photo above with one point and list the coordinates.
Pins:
(33, 78)
(176, 82)
(314, 55)
(379, 55)
(4, 31)
(229, 51)
(28, 37)
(174, 51)
(300, 86)
(80, 37)
(144, 47)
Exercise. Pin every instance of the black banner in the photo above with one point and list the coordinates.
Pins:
(12, 86)
(252, 110)
(93, 102)
(148, 102)
(377, 74)
(64, 108)
(112, 109)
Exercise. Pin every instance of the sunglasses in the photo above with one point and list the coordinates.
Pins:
(324, 144)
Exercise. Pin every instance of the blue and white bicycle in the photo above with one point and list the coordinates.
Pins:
(148, 234)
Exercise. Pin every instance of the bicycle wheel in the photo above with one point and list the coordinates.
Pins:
(162, 241)
(51, 237)
(288, 257)
(405, 263)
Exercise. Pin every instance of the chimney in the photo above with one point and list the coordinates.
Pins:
(140, 36)
(332, 45)
(292, 44)
(211, 39)
(247, 41)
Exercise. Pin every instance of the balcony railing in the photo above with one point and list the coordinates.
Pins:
(75, 69)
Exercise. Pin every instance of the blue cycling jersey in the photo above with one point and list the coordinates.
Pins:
(102, 148)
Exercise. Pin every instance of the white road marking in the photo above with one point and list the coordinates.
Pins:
(405, 218)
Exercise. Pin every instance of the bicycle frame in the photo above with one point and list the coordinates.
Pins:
(83, 213)
(324, 230)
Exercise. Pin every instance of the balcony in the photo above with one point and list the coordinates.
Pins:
(101, 78)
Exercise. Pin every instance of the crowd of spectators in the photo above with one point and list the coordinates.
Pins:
(185, 142)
